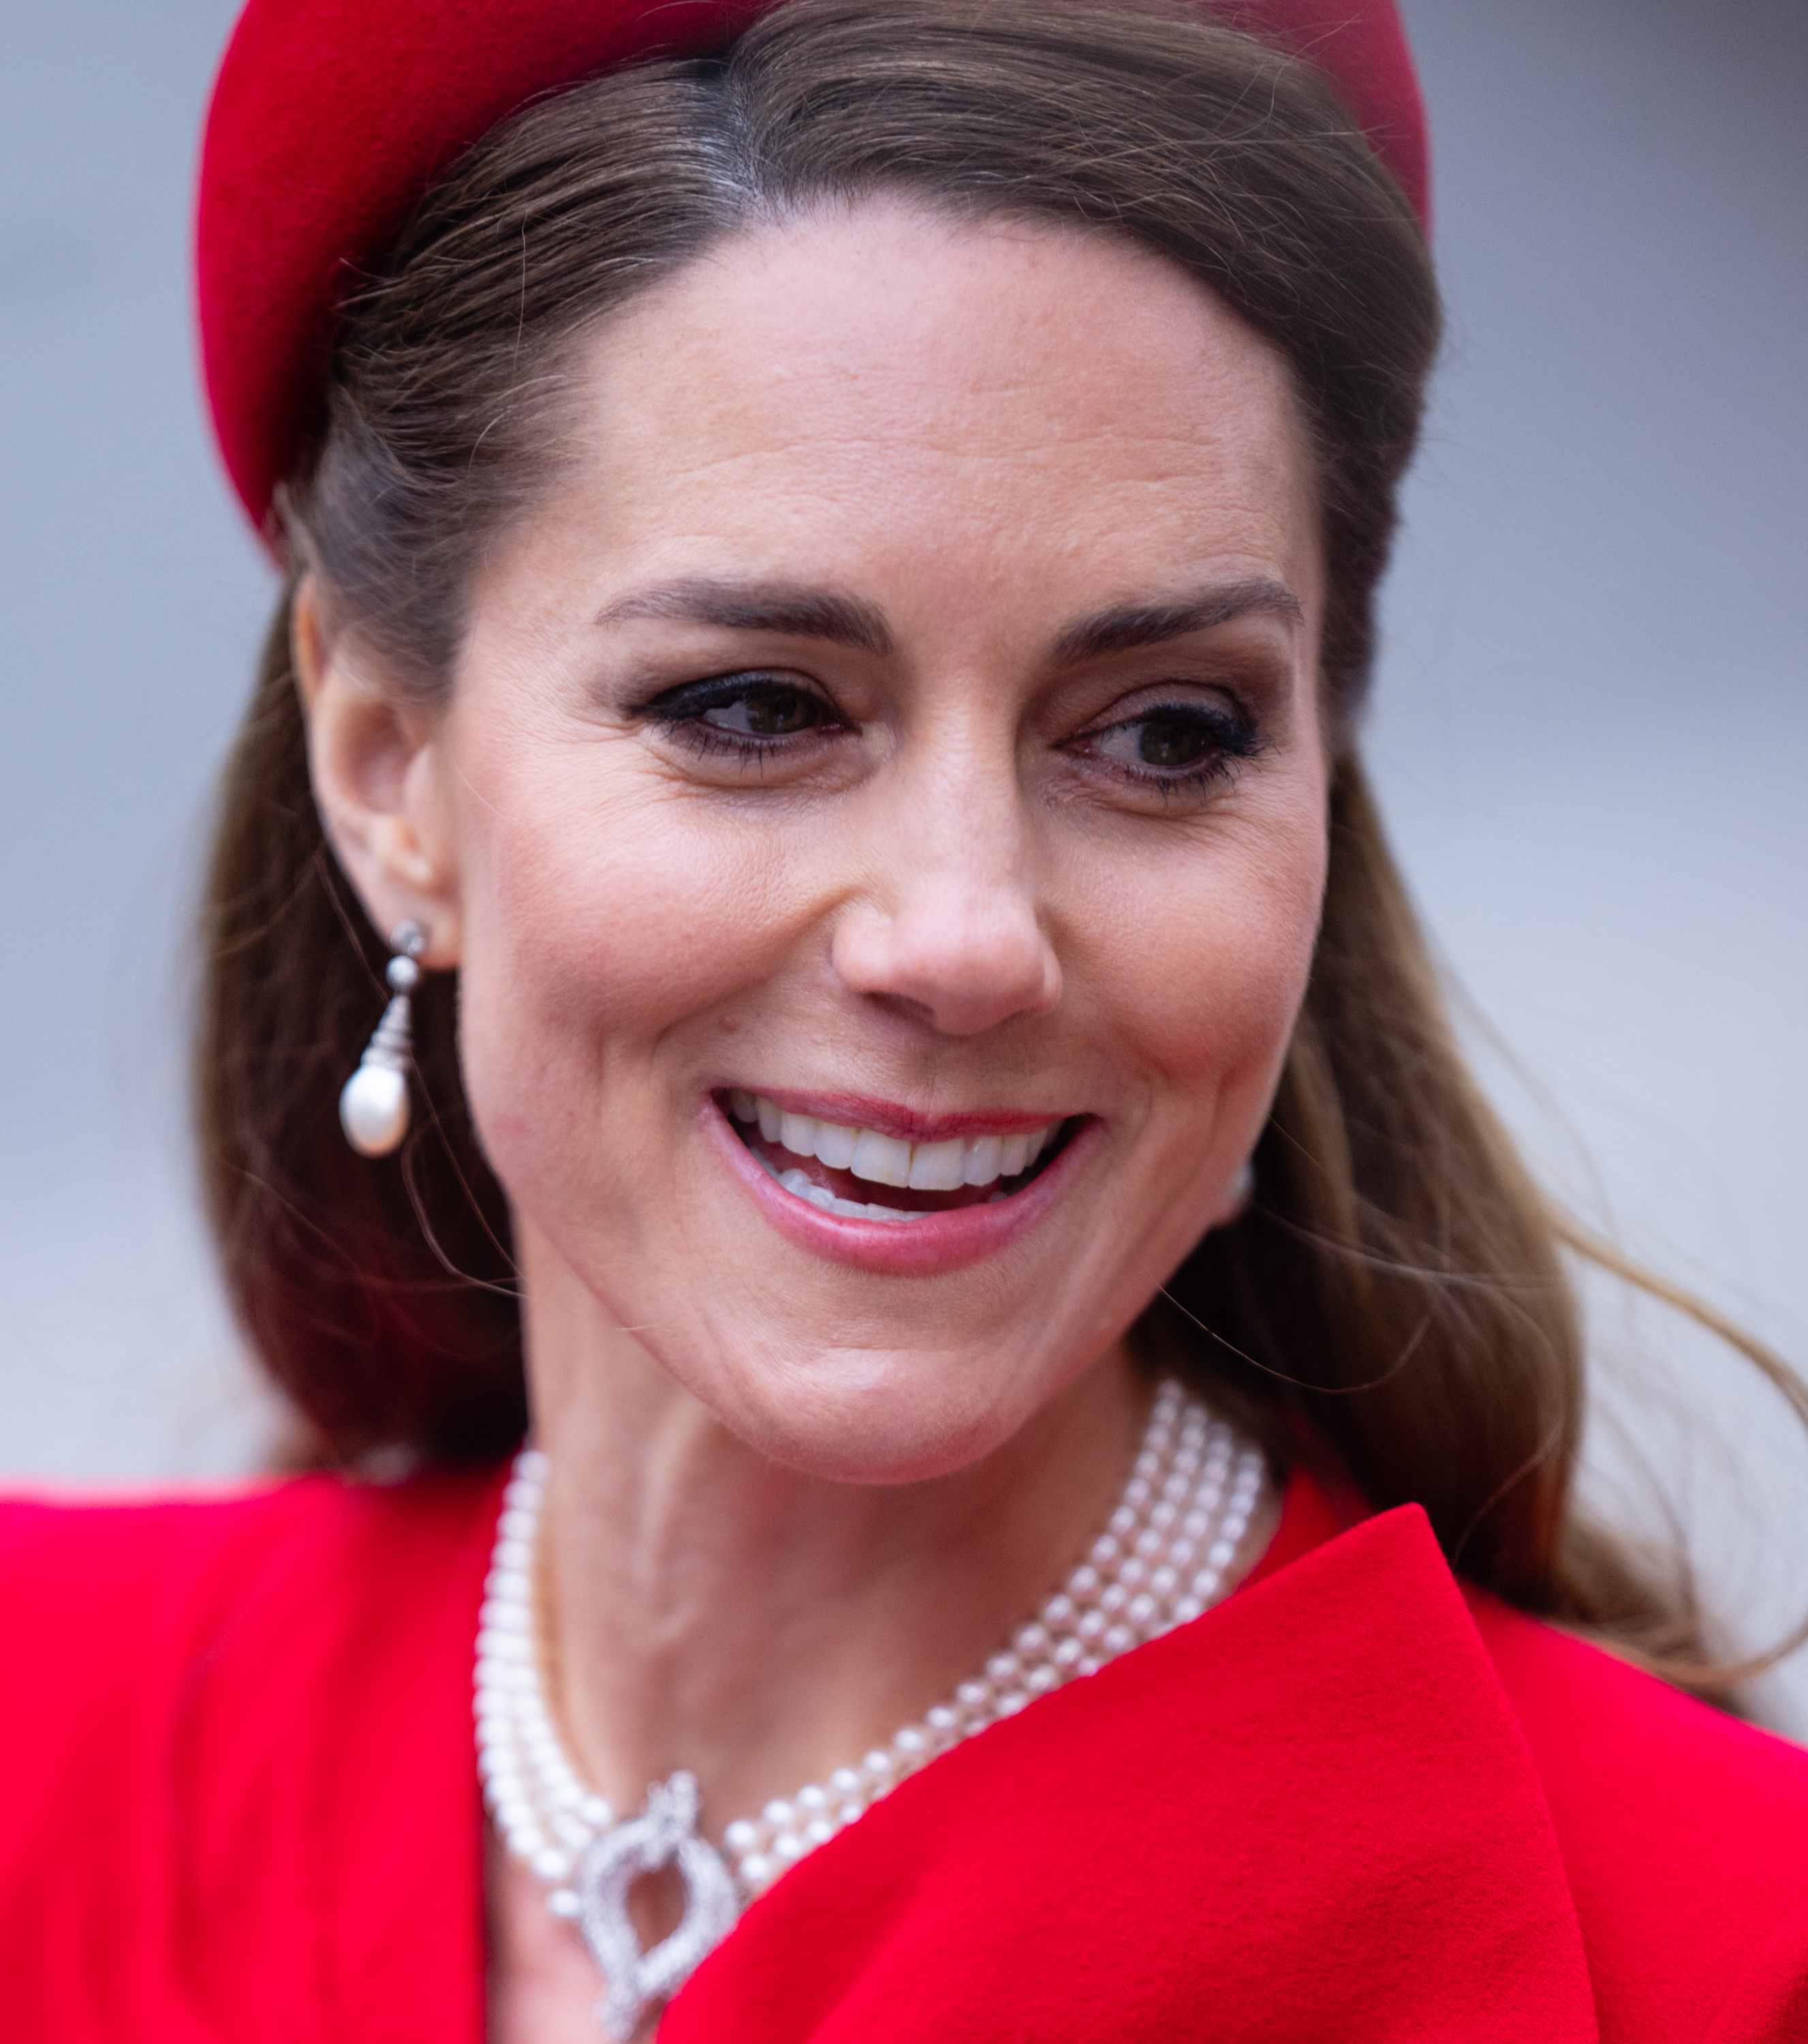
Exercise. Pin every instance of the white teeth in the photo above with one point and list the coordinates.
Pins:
(887, 1160)
(795, 1181)
(983, 1161)
(835, 1145)
(938, 1167)
(884, 1159)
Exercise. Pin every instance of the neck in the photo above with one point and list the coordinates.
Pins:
(704, 1607)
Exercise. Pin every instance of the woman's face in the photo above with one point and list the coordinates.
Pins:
(891, 748)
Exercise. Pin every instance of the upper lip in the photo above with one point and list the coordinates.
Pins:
(911, 1124)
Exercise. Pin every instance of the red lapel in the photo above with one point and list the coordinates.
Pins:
(1309, 1815)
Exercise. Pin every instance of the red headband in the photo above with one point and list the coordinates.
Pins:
(332, 117)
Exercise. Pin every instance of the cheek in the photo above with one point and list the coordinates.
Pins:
(1210, 959)
(594, 926)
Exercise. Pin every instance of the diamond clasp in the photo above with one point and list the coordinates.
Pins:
(663, 1834)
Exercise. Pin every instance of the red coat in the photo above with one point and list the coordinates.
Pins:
(1355, 1802)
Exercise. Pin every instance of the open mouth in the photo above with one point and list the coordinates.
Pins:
(863, 1175)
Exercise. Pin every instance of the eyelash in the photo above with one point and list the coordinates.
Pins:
(680, 714)
(1231, 734)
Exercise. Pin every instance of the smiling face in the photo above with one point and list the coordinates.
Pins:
(880, 820)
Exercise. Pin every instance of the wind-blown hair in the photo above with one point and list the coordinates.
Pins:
(1395, 1301)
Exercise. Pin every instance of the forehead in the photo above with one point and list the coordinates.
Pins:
(880, 382)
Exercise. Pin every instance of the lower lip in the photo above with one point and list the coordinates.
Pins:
(931, 1243)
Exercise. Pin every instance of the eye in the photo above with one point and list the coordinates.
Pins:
(768, 710)
(753, 714)
(1176, 741)
(1165, 738)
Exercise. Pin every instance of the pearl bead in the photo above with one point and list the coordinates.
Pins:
(373, 1109)
(1118, 1596)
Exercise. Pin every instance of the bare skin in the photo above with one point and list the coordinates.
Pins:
(1036, 835)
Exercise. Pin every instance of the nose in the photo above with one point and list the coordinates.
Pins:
(947, 927)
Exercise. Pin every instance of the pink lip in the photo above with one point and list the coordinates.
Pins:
(887, 1118)
(932, 1243)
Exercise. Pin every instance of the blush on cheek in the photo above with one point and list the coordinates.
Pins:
(1210, 996)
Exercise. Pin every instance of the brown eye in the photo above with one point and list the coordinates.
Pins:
(1171, 741)
(767, 710)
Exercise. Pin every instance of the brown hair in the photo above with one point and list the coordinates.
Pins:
(1395, 1296)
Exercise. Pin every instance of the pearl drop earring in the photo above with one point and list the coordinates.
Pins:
(372, 1106)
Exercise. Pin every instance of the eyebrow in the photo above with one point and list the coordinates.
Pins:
(795, 612)
(1129, 626)
(785, 607)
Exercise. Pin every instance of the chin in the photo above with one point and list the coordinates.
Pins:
(873, 1417)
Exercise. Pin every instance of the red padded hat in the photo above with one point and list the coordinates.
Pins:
(331, 118)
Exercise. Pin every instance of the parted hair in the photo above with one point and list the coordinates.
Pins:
(1394, 1301)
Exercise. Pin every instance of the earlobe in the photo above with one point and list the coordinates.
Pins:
(373, 762)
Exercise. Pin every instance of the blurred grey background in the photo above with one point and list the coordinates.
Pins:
(1590, 731)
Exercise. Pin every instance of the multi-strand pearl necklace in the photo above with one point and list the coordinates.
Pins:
(1161, 1560)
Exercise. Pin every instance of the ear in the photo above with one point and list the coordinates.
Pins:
(378, 783)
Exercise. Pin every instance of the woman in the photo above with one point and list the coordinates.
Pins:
(829, 562)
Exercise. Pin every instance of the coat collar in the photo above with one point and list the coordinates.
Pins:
(1310, 1814)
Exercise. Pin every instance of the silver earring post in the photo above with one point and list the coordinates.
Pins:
(372, 1105)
